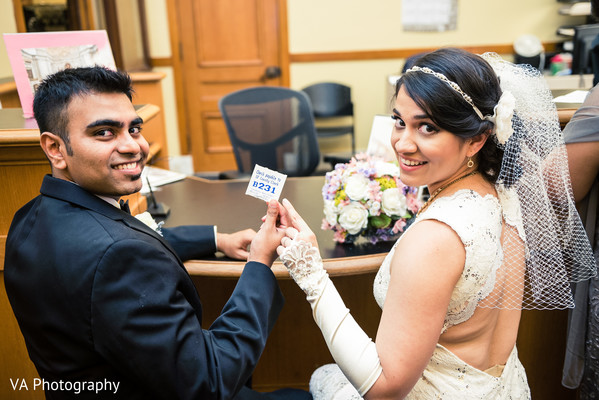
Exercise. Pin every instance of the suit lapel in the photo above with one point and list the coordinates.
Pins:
(136, 224)
(74, 194)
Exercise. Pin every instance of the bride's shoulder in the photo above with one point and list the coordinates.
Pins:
(468, 212)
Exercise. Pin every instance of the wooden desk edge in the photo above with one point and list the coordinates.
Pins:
(357, 265)
(31, 136)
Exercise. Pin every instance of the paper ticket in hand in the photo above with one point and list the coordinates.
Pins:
(266, 184)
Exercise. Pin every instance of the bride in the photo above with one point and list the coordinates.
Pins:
(498, 234)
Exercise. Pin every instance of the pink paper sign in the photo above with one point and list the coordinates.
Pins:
(33, 56)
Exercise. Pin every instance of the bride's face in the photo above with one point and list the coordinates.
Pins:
(427, 154)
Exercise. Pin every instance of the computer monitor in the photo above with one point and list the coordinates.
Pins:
(583, 37)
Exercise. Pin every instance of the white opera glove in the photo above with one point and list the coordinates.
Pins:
(352, 349)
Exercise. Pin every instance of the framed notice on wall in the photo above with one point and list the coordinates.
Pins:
(33, 56)
(429, 15)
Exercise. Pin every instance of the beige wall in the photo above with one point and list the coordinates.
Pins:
(354, 25)
(347, 25)
(350, 25)
(8, 24)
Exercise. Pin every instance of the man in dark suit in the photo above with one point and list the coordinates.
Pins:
(104, 302)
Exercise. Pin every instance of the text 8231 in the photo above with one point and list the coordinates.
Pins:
(265, 187)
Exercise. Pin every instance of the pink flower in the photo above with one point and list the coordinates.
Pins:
(399, 225)
(375, 193)
(339, 236)
(413, 204)
(400, 185)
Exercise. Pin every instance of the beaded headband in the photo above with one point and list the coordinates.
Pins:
(451, 84)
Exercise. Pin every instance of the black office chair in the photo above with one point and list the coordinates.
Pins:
(272, 127)
(332, 100)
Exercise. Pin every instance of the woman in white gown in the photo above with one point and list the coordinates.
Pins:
(499, 233)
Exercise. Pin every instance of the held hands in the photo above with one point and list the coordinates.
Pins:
(234, 245)
(285, 231)
(264, 244)
(298, 229)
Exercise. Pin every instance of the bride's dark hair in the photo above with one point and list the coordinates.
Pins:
(448, 109)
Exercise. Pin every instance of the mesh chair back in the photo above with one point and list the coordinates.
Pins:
(330, 99)
(272, 127)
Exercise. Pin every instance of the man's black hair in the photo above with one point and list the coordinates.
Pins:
(56, 91)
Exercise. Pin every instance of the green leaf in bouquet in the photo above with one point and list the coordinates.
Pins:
(380, 221)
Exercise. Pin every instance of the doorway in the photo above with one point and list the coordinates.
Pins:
(224, 46)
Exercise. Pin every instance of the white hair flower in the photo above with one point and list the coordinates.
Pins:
(503, 114)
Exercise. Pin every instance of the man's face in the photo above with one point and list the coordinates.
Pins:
(108, 149)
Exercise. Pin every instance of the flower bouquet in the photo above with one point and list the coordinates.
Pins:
(365, 197)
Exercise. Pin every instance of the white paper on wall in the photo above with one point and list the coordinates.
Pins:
(429, 15)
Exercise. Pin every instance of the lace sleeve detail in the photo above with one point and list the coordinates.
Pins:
(304, 264)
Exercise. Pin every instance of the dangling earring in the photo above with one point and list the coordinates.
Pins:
(470, 163)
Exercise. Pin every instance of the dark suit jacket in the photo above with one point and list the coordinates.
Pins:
(99, 296)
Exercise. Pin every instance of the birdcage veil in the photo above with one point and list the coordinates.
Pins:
(544, 244)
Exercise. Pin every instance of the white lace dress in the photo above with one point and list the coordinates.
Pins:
(477, 220)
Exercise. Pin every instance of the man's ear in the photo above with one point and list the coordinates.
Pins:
(55, 149)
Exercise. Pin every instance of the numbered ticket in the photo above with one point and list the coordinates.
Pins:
(266, 184)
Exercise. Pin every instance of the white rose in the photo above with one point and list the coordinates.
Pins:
(386, 168)
(353, 218)
(356, 187)
(330, 212)
(394, 203)
(147, 219)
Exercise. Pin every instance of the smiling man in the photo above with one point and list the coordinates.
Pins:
(104, 302)
(104, 151)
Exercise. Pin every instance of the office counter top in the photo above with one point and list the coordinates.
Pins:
(224, 203)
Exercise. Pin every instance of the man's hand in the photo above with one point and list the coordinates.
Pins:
(234, 245)
(263, 248)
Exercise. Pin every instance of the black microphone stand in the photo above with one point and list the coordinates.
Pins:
(156, 210)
